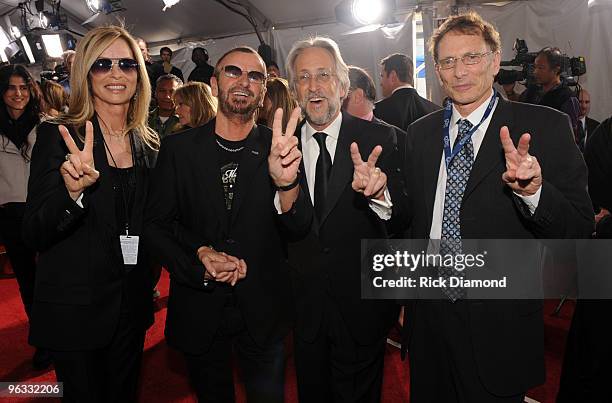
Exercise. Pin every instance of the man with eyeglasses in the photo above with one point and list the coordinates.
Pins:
(211, 222)
(339, 338)
(402, 104)
(483, 168)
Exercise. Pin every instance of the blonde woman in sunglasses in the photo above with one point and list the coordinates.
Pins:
(88, 183)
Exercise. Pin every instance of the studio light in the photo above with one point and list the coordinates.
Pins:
(53, 45)
(169, 3)
(4, 42)
(28, 49)
(365, 12)
(93, 5)
(4, 39)
(43, 22)
(15, 32)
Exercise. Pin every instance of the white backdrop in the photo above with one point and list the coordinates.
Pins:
(571, 25)
(364, 49)
(360, 49)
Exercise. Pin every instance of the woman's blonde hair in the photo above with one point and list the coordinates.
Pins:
(81, 104)
(54, 96)
(199, 98)
(277, 91)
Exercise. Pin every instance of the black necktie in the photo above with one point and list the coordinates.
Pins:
(324, 165)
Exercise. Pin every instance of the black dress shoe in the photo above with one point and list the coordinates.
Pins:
(41, 359)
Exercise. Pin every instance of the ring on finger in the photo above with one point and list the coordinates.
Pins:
(67, 157)
(377, 170)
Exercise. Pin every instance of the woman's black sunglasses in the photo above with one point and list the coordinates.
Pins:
(104, 65)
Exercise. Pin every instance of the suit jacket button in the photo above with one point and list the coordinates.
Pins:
(230, 241)
(326, 250)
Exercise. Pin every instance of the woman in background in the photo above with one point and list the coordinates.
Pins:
(195, 105)
(277, 96)
(90, 172)
(19, 114)
(55, 98)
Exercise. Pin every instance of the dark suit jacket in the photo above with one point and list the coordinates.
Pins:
(202, 73)
(80, 272)
(400, 135)
(507, 335)
(327, 259)
(598, 156)
(186, 210)
(403, 107)
(591, 125)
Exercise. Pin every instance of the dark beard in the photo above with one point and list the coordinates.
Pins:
(242, 111)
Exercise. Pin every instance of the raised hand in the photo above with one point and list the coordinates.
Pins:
(602, 213)
(78, 171)
(222, 267)
(367, 177)
(523, 173)
(284, 159)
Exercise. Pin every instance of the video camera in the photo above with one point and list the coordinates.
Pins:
(57, 75)
(571, 68)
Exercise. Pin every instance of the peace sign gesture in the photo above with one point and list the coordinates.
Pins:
(78, 171)
(367, 177)
(284, 159)
(523, 173)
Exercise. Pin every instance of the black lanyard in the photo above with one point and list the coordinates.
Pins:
(124, 196)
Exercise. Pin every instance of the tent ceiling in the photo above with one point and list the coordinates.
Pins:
(205, 18)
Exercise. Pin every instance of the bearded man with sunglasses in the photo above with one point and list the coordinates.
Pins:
(212, 223)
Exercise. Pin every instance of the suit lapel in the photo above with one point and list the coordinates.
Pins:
(303, 181)
(102, 196)
(490, 155)
(207, 156)
(433, 147)
(141, 171)
(253, 155)
(342, 168)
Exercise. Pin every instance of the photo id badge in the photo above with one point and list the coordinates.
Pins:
(129, 248)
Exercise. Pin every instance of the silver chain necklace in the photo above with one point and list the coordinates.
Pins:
(231, 150)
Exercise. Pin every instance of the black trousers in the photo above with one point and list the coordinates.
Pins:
(442, 365)
(108, 374)
(586, 370)
(263, 368)
(334, 368)
(22, 258)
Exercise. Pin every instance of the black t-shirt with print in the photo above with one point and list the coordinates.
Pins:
(229, 159)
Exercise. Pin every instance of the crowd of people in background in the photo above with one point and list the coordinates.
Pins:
(99, 221)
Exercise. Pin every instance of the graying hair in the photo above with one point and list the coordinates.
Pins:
(341, 69)
(169, 77)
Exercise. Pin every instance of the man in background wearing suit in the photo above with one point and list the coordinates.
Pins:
(211, 221)
(514, 172)
(589, 125)
(402, 104)
(339, 338)
(361, 97)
